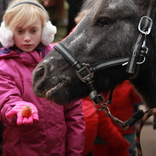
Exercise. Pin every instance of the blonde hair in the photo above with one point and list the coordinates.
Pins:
(24, 14)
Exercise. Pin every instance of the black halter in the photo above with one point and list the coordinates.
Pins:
(85, 71)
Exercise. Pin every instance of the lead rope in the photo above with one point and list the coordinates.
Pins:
(139, 116)
(123, 124)
(140, 124)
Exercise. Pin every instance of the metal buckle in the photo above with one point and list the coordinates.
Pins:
(150, 24)
(96, 98)
(85, 70)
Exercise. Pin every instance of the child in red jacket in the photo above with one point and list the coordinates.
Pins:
(98, 124)
(110, 138)
(122, 107)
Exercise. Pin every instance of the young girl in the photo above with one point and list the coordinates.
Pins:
(50, 129)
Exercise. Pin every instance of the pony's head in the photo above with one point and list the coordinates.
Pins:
(106, 35)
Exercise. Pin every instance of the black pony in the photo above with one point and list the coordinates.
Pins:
(115, 41)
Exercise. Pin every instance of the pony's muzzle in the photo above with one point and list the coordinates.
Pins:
(39, 77)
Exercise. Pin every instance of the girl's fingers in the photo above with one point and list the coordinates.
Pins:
(19, 119)
(28, 120)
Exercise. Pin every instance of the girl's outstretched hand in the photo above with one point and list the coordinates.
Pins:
(26, 113)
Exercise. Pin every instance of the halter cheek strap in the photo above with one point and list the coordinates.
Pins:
(140, 50)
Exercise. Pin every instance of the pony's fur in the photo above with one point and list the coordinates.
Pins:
(108, 31)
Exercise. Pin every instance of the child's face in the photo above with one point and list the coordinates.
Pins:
(27, 39)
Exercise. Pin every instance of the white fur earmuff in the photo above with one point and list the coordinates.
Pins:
(48, 32)
(6, 35)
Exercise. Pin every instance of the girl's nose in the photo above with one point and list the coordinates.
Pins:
(27, 39)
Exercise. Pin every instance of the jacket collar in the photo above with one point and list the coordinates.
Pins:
(32, 58)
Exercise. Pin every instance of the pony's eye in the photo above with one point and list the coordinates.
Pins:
(103, 21)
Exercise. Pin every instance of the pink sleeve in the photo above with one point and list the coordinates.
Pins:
(10, 96)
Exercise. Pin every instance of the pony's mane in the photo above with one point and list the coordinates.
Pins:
(92, 4)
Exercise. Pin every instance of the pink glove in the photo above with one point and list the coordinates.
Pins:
(17, 110)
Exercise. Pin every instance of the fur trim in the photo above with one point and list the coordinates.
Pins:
(6, 36)
(48, 33)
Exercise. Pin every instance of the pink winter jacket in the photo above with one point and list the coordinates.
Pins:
(60, 129)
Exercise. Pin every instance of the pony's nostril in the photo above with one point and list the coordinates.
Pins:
(38, 79)
(39, 73)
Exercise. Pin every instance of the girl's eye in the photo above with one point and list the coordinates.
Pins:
(34, 30)
(19, 31)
